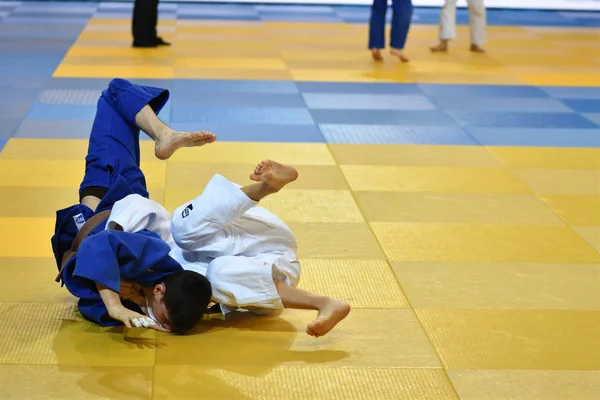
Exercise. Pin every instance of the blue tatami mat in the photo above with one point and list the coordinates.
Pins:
(35, 36)
(536, 137)
(393, 134)
(260, 132)
(490, 119)
(322, 112)
(71, 11)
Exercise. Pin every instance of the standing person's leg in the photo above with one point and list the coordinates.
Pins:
(447, 26)
(159, 40)
(477, 23)
(143, 23)
(153, 19)
(402, 15)
(377, 28)
(114, 150)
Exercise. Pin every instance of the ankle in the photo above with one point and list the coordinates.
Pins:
(269, 188)
(321, 302)
(164, 132)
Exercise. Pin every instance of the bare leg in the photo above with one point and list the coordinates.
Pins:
(167, 140)
(330, 311)
(91, 202)
(272, 177)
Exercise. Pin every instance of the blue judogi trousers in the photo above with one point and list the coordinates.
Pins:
(401, 17)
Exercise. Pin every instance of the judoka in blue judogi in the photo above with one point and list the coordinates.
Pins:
(126, 276)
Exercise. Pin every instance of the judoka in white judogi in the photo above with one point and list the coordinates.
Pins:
(247, 253)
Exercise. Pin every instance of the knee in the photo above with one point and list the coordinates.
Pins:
(111, 93)
(181, 233)
(189, 233)
(118, 83)
(179, 229)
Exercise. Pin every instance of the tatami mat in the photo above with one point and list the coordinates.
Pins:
(452, 201)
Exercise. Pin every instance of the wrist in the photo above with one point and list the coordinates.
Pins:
(114, 309)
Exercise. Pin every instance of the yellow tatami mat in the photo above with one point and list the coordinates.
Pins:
(310, 51)
(467, 280)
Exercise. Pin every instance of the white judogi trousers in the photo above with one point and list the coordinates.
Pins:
(242, 247)
(222, 234)
(477, 21)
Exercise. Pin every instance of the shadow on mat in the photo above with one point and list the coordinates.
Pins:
(212, 362)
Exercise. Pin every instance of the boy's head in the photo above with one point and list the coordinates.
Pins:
(180, 301)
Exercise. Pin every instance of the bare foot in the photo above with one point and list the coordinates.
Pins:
(475, 48)
(329, 316)
(275, 175)
(376, 54)
(170, 142)
(398, 53)
(441, 47)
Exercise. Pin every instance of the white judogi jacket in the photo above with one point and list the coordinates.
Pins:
(223, 235)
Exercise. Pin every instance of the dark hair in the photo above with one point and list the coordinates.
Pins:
(187, 295)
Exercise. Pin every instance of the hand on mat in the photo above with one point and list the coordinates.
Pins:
(133, 319)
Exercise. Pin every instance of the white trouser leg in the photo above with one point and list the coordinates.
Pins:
(448, 20)
(198, 220)
(477, 21)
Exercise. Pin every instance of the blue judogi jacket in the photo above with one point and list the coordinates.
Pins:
(107, 257)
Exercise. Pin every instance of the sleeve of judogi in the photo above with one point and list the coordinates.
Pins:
(135, 213)
(128, 99)
(198, 220)
(110, 256)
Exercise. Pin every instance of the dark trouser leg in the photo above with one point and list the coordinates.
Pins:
(154, 14)
(377, 24)
(144, 20)
(401, 19)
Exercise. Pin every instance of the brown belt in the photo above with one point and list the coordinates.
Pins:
(85, 230)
